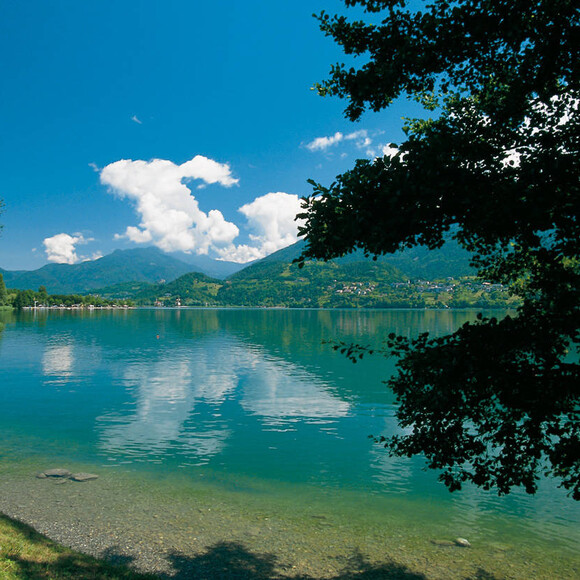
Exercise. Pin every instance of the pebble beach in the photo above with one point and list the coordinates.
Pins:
(204, 534)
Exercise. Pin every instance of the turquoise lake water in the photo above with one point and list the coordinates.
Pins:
(251, 414)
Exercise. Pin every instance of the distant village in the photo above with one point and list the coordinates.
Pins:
(451, 285)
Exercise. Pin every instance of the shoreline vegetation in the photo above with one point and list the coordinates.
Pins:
(441, 279)
(79, 307)
(193, 291)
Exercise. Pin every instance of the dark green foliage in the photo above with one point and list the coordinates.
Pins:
(3, 293)
(476, 424)
(23, 299)
(42, 294)
(29, 298)
(497, 167)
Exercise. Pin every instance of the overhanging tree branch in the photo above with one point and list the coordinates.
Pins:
(496, 403)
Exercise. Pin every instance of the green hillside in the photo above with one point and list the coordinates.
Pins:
(193, 289)
(449, 261)
(317, 284)
(139, 265)
(415, 278)
(151, 266)
(365, 284)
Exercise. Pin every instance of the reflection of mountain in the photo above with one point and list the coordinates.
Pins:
(180, 399)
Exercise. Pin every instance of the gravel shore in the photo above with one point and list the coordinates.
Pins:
(201, 536)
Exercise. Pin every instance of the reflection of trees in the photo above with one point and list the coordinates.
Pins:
(6, 317)
(281, 331)
(190, 322)
(310, 328)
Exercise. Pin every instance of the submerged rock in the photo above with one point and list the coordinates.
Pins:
(57, 472)
(64, 475)
(462, 542)
(83, 476)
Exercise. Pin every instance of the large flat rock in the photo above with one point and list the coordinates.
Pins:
(57, 472)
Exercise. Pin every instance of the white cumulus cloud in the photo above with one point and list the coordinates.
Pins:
(323, 143)
(61, 248)
(272, 219)
(390, 150)
(170, 214)
(361, 139)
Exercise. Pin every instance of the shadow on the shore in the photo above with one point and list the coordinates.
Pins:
(233, 561)
(28, 554)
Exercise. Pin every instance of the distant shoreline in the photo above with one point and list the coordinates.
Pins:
(80, 307)
(247, 307)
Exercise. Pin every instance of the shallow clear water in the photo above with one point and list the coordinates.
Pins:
(248, 412)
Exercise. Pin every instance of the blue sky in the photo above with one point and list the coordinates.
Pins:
(186, 125)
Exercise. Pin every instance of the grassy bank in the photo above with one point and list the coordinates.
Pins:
(26, 554)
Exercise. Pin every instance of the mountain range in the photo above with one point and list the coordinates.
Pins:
(150, 266)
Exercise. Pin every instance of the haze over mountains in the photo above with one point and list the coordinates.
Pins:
(152, 266)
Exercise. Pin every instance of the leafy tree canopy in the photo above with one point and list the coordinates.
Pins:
(3, 291)
(496, 166)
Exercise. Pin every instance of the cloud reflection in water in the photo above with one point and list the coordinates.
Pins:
(182, 400)
(57, 361)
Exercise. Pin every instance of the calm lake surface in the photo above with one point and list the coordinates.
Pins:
(241, 430)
